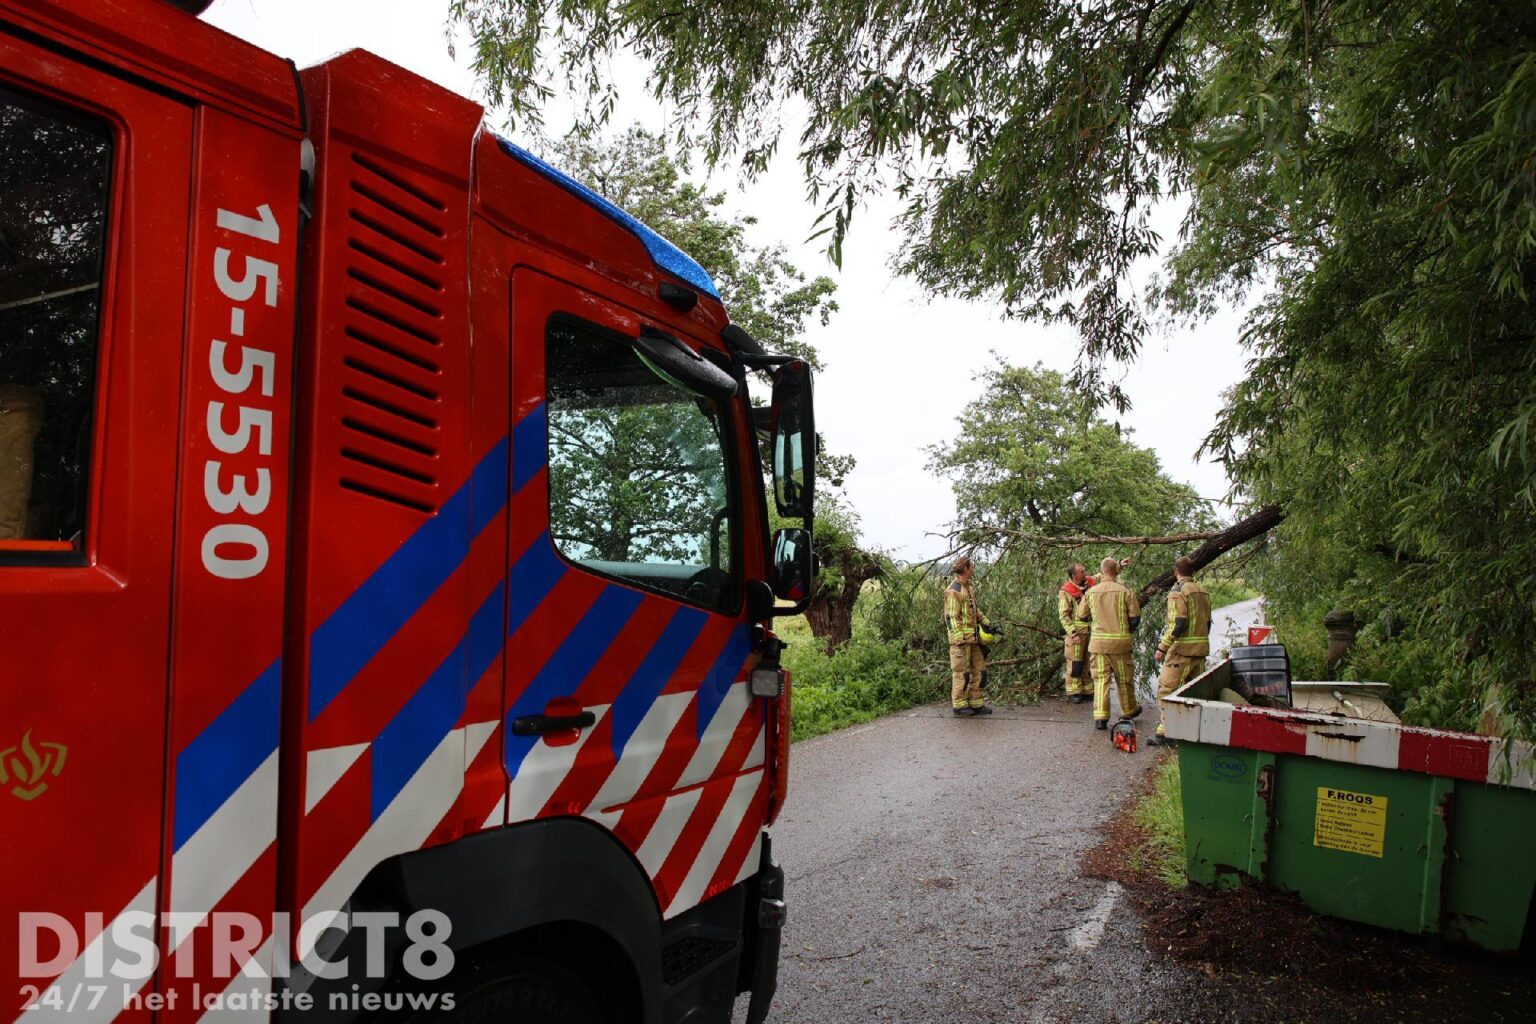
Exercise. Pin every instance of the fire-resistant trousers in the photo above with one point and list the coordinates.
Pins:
(1178, 669)
(1118, 667)
(966, 663)
(1077, 651)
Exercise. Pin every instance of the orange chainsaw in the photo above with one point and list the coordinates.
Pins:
(1123, 735)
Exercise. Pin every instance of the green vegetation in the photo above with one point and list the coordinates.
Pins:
(1161, 815)
(1357, 174)
(1032, 464)
(863, 680)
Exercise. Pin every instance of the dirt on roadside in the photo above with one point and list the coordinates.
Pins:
(1265, 945)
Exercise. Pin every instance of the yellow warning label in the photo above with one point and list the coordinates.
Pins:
(1352, 822)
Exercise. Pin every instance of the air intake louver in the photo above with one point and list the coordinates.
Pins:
(392, 387)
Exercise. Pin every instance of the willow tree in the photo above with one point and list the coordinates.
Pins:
(1358, 171)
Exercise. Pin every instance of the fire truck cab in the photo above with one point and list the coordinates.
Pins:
(385, 563)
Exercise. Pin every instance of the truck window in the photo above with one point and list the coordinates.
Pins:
(54, 168)
(638, 473)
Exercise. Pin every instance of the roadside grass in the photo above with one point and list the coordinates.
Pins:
(861, 682)
(1160, 814)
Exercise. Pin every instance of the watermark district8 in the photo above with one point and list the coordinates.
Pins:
(86, 997)
(128, 949)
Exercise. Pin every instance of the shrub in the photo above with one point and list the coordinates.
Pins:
(867, 678)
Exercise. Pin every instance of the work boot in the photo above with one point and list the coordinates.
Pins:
(1159, 740)
(1080, 698)
(1134, 714)
(1101, 723)
(983, 710)
(965, 712)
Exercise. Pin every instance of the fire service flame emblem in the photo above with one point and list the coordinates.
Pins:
(26, 768)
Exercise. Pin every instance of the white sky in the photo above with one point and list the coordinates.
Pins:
(899, 364)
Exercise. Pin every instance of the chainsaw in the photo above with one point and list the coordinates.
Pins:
(1123, 735)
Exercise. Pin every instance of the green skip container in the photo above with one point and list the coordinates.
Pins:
(1418, 830)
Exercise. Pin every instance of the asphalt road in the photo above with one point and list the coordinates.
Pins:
(932, 867)
(933, 875)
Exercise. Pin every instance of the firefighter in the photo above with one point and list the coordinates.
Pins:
(1113, 613)
(1079, 678)
(1187, 639)
(966, 660)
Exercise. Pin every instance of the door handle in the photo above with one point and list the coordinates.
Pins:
(538, 725)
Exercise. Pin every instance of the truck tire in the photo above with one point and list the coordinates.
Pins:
(524, 992)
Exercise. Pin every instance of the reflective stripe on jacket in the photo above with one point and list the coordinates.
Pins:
(1190, 603)
(1110, 607)
(960, 614)
(1066, 606)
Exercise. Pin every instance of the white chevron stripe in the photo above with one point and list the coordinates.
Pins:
(718, 841)
(242, 999)
(220, 852)
(408, 821)
(76, 987)
(674, 815)
(325, 768)
(753, 859)
(640, 755)
(706, 759)
(544, 769)
(498, 815)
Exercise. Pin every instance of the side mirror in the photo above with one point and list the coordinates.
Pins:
(793, 568)
(794, 441)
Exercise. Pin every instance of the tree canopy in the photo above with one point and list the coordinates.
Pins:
(1359, 171)
(1031, 457)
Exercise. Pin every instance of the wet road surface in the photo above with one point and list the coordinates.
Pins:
(933, 875)
(933, 864)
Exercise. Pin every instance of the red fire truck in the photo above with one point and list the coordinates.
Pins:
(385, 567)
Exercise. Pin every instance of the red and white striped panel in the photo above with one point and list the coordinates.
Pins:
(1455, 755)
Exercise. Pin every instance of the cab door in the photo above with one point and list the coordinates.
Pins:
(626, 699)
(94, 191)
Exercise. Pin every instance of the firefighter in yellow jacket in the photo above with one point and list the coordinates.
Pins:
(1114, 613)
(1079, 678)
(966, 660)
(1186, 640)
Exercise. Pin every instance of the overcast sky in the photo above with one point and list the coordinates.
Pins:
(899, 364)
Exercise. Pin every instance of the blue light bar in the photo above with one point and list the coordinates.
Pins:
(666, 255)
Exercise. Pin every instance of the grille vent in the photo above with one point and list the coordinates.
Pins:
(392, 386)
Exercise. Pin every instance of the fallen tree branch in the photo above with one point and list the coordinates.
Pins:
(1054, 634)
(1241, 532)
(1083, 540)
(1005, 662)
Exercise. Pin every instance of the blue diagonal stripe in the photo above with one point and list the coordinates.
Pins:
(722, 675)
(212, 766)
(356, 632)
(530, 446)
(488, 488)
(653, 674)
(532, 577)
(569, 665)
(410, 737)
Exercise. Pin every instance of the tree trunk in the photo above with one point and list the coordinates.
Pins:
(830, 612)
(1240, 532)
